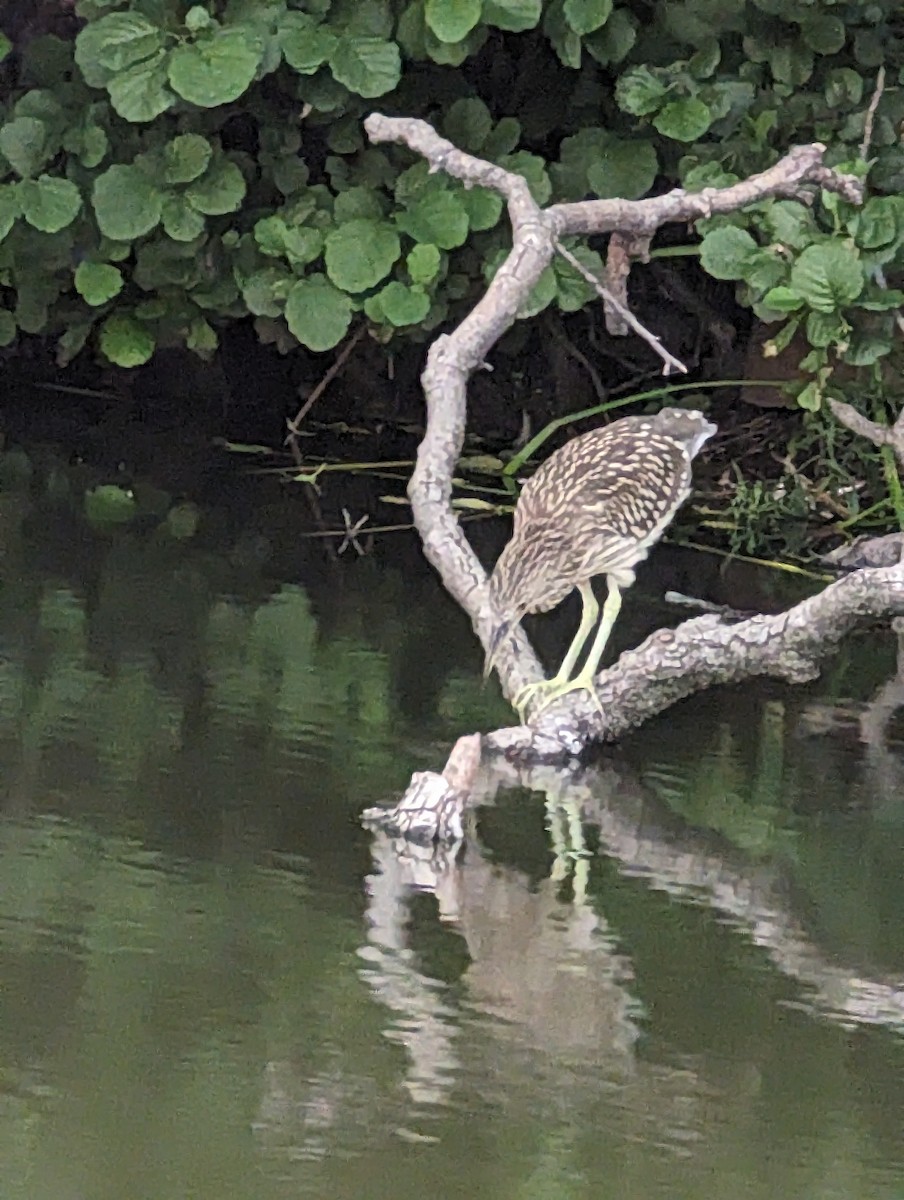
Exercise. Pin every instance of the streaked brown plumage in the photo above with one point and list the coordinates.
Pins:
(594, 507)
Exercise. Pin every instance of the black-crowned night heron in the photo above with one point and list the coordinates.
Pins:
(594, 507)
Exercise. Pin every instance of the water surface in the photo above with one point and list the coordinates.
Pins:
(214, 985)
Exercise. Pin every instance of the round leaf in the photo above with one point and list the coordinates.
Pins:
(306, 45)
(824, 33)
(828, 275)
(639, 92)
(10, 207)
(49, 204)
(452, 20)
(181, 222)
(110, 504)
(220, 190)
(368, 66)
(126, 341)
(215, 70)
(468, 124)
(423, 263)
(584, 16)
(483, 207)
(97, 283)
(515, 16)
(23, 144)
(126, 202)
(186, 157)
(437, 217)
(725, 251)
(141, 94)
(317, 313)
(360, 253)
(625, 169)
(403, 305)
(115, 43)
(684, 120)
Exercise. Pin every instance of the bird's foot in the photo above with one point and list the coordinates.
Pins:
(536, 697)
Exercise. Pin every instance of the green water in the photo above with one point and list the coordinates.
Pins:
(213, 986)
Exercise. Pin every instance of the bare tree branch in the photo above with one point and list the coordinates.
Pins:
(671, 664)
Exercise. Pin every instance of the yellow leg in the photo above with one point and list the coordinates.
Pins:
(589, 612)
(552, 689)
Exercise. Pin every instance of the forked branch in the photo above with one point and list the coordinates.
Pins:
(671, 664)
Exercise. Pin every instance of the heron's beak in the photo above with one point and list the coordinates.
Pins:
(499, 635)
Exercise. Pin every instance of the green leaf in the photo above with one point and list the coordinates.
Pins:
(220, 190)
(824, 33)
(533, 169)
(7, 327)
(360, 253)
(810, 397)
(186, 158)
(484, 208)
(10, 207)
(790, 223)
(828, 275)
(23, 143)
(585, 16)
(783, 300)
(639, 92)
(423, 263)
(843, 88)
(467, 124)
(115, 43)
(49, 204)
(181, 222)
(72, 341)
(215, 70)
(126, 203)
(625, 169)
(436, 217)
(402, 305)
(826, 329)
(515, 16)
(198, 18)
(5, 47)
(265, 291)
(357, 202)
(541, 296)
(572, 290)
(141, 94)
(298, 244)
(702, 64)
(880, 222)
(684, 120)
(109, 504)
(306, 45)
(202, 337)
(97, 283)
(125, 341)
(368, 66)
(724, 252)
(563, 39)
(452, 20)
(614, 41)
(317, 313)
(503, 139)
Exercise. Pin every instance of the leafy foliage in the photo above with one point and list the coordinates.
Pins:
(178, 166)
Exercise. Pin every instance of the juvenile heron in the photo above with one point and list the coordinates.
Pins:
(594, 507)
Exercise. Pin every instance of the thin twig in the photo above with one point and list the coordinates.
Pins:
(671, 363)
(871, 113)
(294, 425)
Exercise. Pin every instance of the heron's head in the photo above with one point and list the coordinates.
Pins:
(530, 576)
(687, 425)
